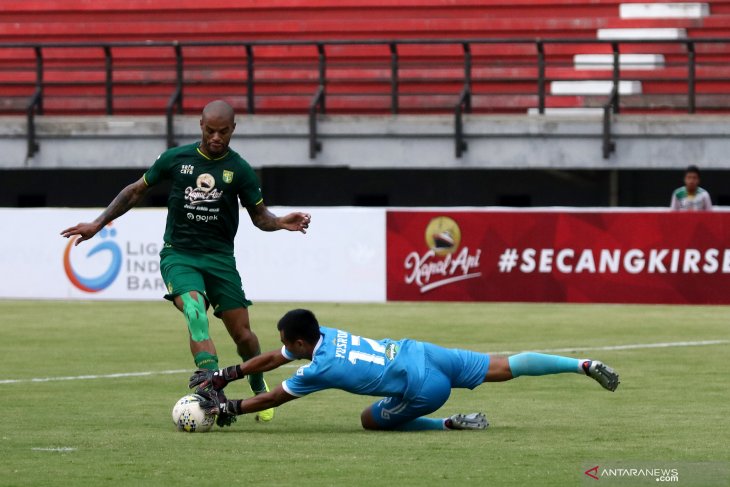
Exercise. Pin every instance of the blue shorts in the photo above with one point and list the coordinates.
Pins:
(445, 369)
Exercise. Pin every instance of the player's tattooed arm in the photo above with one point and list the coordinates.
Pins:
(263, 218)
(125, 200)
(268, 222)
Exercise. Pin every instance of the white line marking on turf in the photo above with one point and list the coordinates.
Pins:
(632, 346)
(58, 449)
(106, 376)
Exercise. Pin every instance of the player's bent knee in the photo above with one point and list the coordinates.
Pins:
(196, 316)
(367, 420)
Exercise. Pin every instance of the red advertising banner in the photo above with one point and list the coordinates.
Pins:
(559, 256)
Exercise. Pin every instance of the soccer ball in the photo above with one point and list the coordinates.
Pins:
(189, 416)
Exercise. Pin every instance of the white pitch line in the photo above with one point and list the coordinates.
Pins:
(632, 346)
(106, 376)
(57, 449)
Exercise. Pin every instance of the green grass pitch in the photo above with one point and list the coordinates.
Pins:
(672, 404)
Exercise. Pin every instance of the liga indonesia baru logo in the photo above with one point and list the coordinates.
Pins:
(443, 263)
(107, 277)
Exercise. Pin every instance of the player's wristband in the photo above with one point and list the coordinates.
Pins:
(231, 373)
(234, 406)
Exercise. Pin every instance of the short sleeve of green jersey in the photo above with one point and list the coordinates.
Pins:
(250, 189)
(159, 171)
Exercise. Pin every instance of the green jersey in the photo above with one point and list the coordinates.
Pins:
(203, 202)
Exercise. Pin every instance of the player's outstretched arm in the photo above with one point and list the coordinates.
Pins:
(259, 402)
(264, 362)
(125, 200)
(219, 379)
(268, 222)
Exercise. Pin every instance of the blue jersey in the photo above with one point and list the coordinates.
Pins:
(359, 365)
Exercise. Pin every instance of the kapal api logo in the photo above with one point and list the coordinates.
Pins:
(103, 280)
(204, 191)
(445, 261)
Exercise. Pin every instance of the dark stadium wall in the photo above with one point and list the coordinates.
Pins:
(318, 186)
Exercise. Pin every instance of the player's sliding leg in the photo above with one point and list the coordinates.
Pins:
(423, 424)
(472, 421)
(397, 414)
(400, 414)
(537, 364)
(194, 308)
(401, 422)
(247, 344)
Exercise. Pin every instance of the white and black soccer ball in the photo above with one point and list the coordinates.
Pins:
(189, 416)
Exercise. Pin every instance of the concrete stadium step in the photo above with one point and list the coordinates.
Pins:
(594, 87)
(660, 10)
(626, 61)
(568, 112)
(642, 33)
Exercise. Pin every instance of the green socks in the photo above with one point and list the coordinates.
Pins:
(205, 360)
(256, 381)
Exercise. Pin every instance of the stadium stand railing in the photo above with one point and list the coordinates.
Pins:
(137, 57)
(362, 77)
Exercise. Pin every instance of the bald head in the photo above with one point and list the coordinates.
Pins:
(217, 125)
(218, 109)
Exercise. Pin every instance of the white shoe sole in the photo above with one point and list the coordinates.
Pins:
(473, 421)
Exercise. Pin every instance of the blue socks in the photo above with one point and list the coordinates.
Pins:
(531, 363)
(423, 424)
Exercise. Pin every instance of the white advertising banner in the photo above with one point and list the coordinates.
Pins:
(341, 258)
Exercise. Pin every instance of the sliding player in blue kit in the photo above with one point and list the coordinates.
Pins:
(415, 377)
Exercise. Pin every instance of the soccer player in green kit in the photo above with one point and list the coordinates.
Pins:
(197, 261)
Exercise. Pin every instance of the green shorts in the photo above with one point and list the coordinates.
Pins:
(213, 275)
